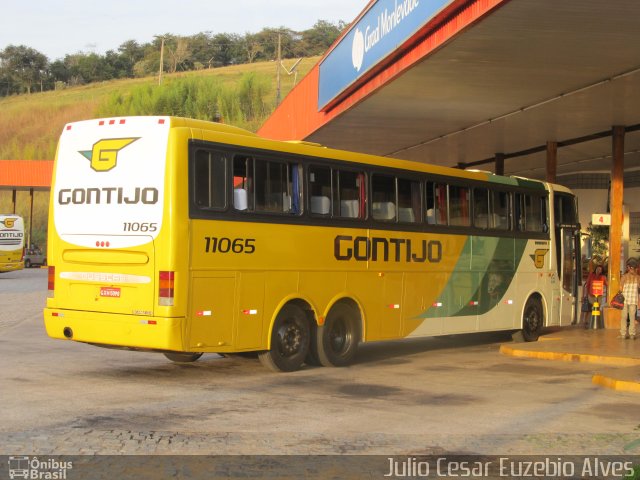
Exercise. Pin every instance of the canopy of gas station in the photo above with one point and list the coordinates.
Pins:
(463, 83)
(545, 89)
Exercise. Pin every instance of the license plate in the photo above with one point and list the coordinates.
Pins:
(112, 292)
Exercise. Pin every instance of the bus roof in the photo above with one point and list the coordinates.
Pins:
(238, 136)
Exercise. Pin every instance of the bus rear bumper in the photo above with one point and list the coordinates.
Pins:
(10, 267)
(115, 330)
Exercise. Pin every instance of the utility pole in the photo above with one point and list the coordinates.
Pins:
(161, 61)
(278, 70)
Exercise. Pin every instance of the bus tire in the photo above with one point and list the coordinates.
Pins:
(289, 341)
(27, 263)
(182, 357)
(532, 319)
(312, 357)
(336, 341)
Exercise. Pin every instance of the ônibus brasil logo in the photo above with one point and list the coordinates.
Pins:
(104, 155)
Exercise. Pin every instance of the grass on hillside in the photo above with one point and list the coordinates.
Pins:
(31, 124)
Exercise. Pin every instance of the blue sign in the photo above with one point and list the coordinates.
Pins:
(385, 26)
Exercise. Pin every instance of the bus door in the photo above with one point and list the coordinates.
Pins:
(569, 269)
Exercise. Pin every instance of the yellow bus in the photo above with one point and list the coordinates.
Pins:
(11, 243)
(185, 237)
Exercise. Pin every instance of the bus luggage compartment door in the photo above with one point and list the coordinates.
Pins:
(211, 315)
(114, 280)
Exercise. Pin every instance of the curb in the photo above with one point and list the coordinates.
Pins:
(570, 357)
(618, 385)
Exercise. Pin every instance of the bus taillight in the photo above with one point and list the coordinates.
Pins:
(51, 280)
(165, 291)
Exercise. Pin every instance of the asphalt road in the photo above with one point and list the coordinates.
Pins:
(428, 396)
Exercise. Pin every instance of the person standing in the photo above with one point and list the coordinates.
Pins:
(629, 288)
(593, 294)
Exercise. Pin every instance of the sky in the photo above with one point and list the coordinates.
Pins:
(60, 27)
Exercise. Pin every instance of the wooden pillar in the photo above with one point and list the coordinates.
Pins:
(552, 161)
(616, 200)
(14, 200)
(499, 164)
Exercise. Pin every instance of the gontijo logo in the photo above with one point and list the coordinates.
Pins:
(104, 155)
(9, 222)
(538, 257)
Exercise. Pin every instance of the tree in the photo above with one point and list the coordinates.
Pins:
(319, 38)
(599, 235)
(178, 53)
(23, 66)
(252, 46)
(130, 54)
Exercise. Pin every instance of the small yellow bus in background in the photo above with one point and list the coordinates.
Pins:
(11, 243)
(185, 237)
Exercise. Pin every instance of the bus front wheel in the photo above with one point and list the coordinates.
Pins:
(336, 341)
(182, 357)
(289, 340)
(532, 319)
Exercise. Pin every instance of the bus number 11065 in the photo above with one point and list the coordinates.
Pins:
(226, 245)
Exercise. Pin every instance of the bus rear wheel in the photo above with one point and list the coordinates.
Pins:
(182, 357)
(336, 341)
(532, 319)
(289, 341)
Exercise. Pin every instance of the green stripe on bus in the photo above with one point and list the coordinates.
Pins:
(532, 184)
(484, 271)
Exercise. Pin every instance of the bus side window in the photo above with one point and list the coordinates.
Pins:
(320, 190)
(565, 210)
(243, 183)
(409, 201)
(499, 208)
(459, 206)
(533, 213)
(349, 194)
(383, 197)
(436, 203)
(210, 180)
(481, 207)
(277, 187)
(518, 213)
